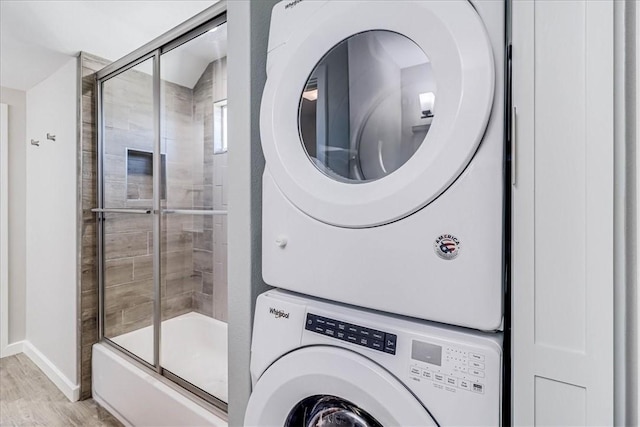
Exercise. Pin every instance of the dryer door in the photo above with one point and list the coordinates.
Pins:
(372, 109)
(327, 386)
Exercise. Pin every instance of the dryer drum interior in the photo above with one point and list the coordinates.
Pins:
(329, 411)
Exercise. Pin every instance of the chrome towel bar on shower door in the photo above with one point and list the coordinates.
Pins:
(166, 211)
(133, 211)
(194, 212)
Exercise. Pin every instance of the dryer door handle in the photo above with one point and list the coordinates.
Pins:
(514, 159)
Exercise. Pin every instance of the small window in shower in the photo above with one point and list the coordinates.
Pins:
(140, 175)
(220, 127)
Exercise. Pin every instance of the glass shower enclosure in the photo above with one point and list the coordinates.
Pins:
(162, 155)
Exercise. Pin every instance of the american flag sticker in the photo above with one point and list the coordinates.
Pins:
(447, 246)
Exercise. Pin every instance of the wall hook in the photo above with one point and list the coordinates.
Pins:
(51, 137)
(36, 143)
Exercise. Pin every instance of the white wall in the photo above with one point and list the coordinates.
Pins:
(246, 68)
(51, 232)
(17, 101)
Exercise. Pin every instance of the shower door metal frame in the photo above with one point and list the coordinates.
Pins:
(183, 33)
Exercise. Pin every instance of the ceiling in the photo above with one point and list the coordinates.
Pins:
(38, 37)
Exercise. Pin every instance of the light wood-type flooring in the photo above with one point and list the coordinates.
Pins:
(29, 398)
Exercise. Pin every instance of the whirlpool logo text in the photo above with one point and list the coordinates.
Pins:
(278, 313)
(292, 4)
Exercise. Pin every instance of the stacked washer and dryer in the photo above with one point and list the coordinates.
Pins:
(382, 126)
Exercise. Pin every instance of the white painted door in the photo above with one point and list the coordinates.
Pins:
(563, 70)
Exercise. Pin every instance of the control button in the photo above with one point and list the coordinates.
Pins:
(476, 372)
(427, 374)
(477, 365)
(464, 384)
(438, 377)
(390, 343)
(452, 381)
(355, 334)
(476, 357)
(477, 387)
(414, 371)
(462, 369)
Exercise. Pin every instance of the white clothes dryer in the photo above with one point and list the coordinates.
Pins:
(382, 129)
(320, 364)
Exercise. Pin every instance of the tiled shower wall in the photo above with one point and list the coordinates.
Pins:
(210, 245)
(193, 247)
(88, 327)
(128, 241)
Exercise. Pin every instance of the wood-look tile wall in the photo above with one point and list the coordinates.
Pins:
(193, 248)
(87, 188)
(210, 245)
(220, 282)
(128, 239)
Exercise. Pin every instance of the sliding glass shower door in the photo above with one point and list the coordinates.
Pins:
(194, 286)
(127, 223)
(162, 213)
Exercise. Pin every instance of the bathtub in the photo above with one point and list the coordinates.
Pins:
(193, 346)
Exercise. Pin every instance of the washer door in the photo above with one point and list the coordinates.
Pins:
(372, 109)
(335, 387)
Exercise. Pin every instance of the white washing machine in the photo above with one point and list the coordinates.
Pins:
(319, 364)
(382, 129)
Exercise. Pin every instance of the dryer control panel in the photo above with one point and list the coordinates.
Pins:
(355, 334)
(448, 367)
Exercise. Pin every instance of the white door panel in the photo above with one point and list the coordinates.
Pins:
(562, 280)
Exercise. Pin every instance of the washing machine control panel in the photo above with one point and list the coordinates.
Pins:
(448, 367)
(355, 334)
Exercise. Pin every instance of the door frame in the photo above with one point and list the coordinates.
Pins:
(4, 229)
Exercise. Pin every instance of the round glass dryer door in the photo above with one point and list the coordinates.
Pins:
(367, 106)
(329, 386)
(372, 109)
(329, 411)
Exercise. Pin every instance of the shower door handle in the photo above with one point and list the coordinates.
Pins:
(194, 211)
(115, 210)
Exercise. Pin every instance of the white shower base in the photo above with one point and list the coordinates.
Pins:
(193, 347)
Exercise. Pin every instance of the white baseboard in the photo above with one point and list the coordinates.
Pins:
(12, 349)
(72, 391)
